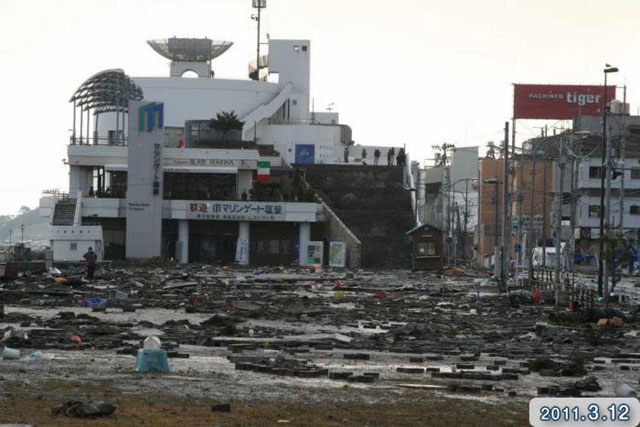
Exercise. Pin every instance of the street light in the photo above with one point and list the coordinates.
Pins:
(496, 252)
(22, 229)
(466, 214)
(606, 158)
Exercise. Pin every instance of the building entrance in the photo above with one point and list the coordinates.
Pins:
(212, 242)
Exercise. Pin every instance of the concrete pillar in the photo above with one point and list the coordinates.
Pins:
(243, 239)
(144, 180)
(244, 180)
(183, 241)
(79, 180)
(305, 236)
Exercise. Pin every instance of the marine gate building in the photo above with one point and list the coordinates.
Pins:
(150, 174)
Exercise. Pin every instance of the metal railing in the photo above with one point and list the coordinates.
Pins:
(55, 193)
(98, 140)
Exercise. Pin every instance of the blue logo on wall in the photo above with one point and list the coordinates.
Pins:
(154, 113)
(305, 154)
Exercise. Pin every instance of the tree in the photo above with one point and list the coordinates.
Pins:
(23, 210)
(225, 122)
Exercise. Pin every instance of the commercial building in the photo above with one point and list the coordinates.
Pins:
(489, 210)
(448, 198)
(200, 169)
(623, 216)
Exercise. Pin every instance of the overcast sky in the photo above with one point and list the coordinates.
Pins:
(399, 71)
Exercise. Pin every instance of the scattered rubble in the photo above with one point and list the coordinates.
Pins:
(80, 409)
(454, 334)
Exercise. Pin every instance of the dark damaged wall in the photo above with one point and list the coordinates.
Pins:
(372, 202)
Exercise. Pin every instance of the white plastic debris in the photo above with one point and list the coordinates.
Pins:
(342, 338)
(54, 271)
(10, 353)
(152, 342)
(623, 390)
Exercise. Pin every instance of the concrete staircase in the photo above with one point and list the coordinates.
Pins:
(64, 212)
(373, 204)
(264, 111)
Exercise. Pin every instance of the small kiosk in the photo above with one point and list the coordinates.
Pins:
(426, 247)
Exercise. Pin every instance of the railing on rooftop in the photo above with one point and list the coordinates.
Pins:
(55, 193)
(256, 196)
(296, 122)
(98, 140)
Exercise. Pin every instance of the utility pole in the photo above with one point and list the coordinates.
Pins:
(520, 235)
(506, 233)
(417, 192)
(258, 4)
(574, 199)
(531, 236)
(496, 248)
(607, 225)
(544, 215)
(558, 222)
(622, 158)
(455, 234)
(601, 256)
(466, 220)
(447, 212)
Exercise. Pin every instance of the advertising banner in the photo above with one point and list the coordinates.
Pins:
(314, 254)
(337, 254)
(237, 211)
(242, 251)
(558, 102)
(305, 154)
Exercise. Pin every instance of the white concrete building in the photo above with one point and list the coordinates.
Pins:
(149, 178)
(274, 109)
(588, 206)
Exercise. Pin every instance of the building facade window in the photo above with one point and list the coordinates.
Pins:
(635, 173)
(73, 246)
(634, 210)
(594, 211)
(427, 249)
(274, 247)
(595, 172)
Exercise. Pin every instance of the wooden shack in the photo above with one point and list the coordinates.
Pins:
(426, 247)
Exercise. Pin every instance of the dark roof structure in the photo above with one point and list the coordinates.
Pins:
(422, 226)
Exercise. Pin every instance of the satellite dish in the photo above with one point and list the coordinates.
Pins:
(189, 50)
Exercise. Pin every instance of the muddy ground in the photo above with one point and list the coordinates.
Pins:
(301, 348)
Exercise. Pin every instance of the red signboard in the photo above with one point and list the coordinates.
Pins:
(558, 102)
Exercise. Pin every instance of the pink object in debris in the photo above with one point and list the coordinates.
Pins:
(338, 282)
(381, 295)
(76, 339)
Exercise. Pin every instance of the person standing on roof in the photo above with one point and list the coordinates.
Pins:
(91, 258)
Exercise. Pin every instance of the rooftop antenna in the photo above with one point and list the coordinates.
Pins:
(258, 4)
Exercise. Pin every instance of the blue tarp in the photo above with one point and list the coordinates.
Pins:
(152, 360)
(95, 302)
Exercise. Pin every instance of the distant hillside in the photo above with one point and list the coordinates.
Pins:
(35, 227)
